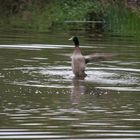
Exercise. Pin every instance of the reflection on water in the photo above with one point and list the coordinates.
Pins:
(41, 99)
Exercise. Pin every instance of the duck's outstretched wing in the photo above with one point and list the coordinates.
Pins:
(98, 57)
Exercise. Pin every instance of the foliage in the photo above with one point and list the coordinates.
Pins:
(122, 20)
(59, 11)
(41, 15)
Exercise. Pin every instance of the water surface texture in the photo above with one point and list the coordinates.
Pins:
(41, 99)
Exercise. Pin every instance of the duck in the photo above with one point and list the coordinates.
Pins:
(79, 61)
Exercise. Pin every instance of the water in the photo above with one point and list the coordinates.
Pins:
(41, 99)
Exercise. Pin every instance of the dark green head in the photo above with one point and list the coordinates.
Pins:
(75, 40)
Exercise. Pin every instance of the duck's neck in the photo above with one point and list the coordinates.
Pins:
(76, 43)
(77, 49)
(76, 46)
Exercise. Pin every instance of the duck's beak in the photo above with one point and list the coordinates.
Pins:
(70, 38)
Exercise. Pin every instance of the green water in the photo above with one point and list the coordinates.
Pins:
(41, 99)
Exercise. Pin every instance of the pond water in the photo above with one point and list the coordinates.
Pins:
(41, 99)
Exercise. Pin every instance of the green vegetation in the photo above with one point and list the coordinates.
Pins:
(43, 15)
(122, 20)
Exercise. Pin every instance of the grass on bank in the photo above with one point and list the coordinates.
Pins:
(119, 19)
(122, 20)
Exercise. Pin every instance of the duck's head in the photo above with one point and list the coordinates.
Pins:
(75, 40)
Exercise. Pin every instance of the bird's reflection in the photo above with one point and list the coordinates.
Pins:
(77, 90)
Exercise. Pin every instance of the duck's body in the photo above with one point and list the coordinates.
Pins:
(79, 61)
